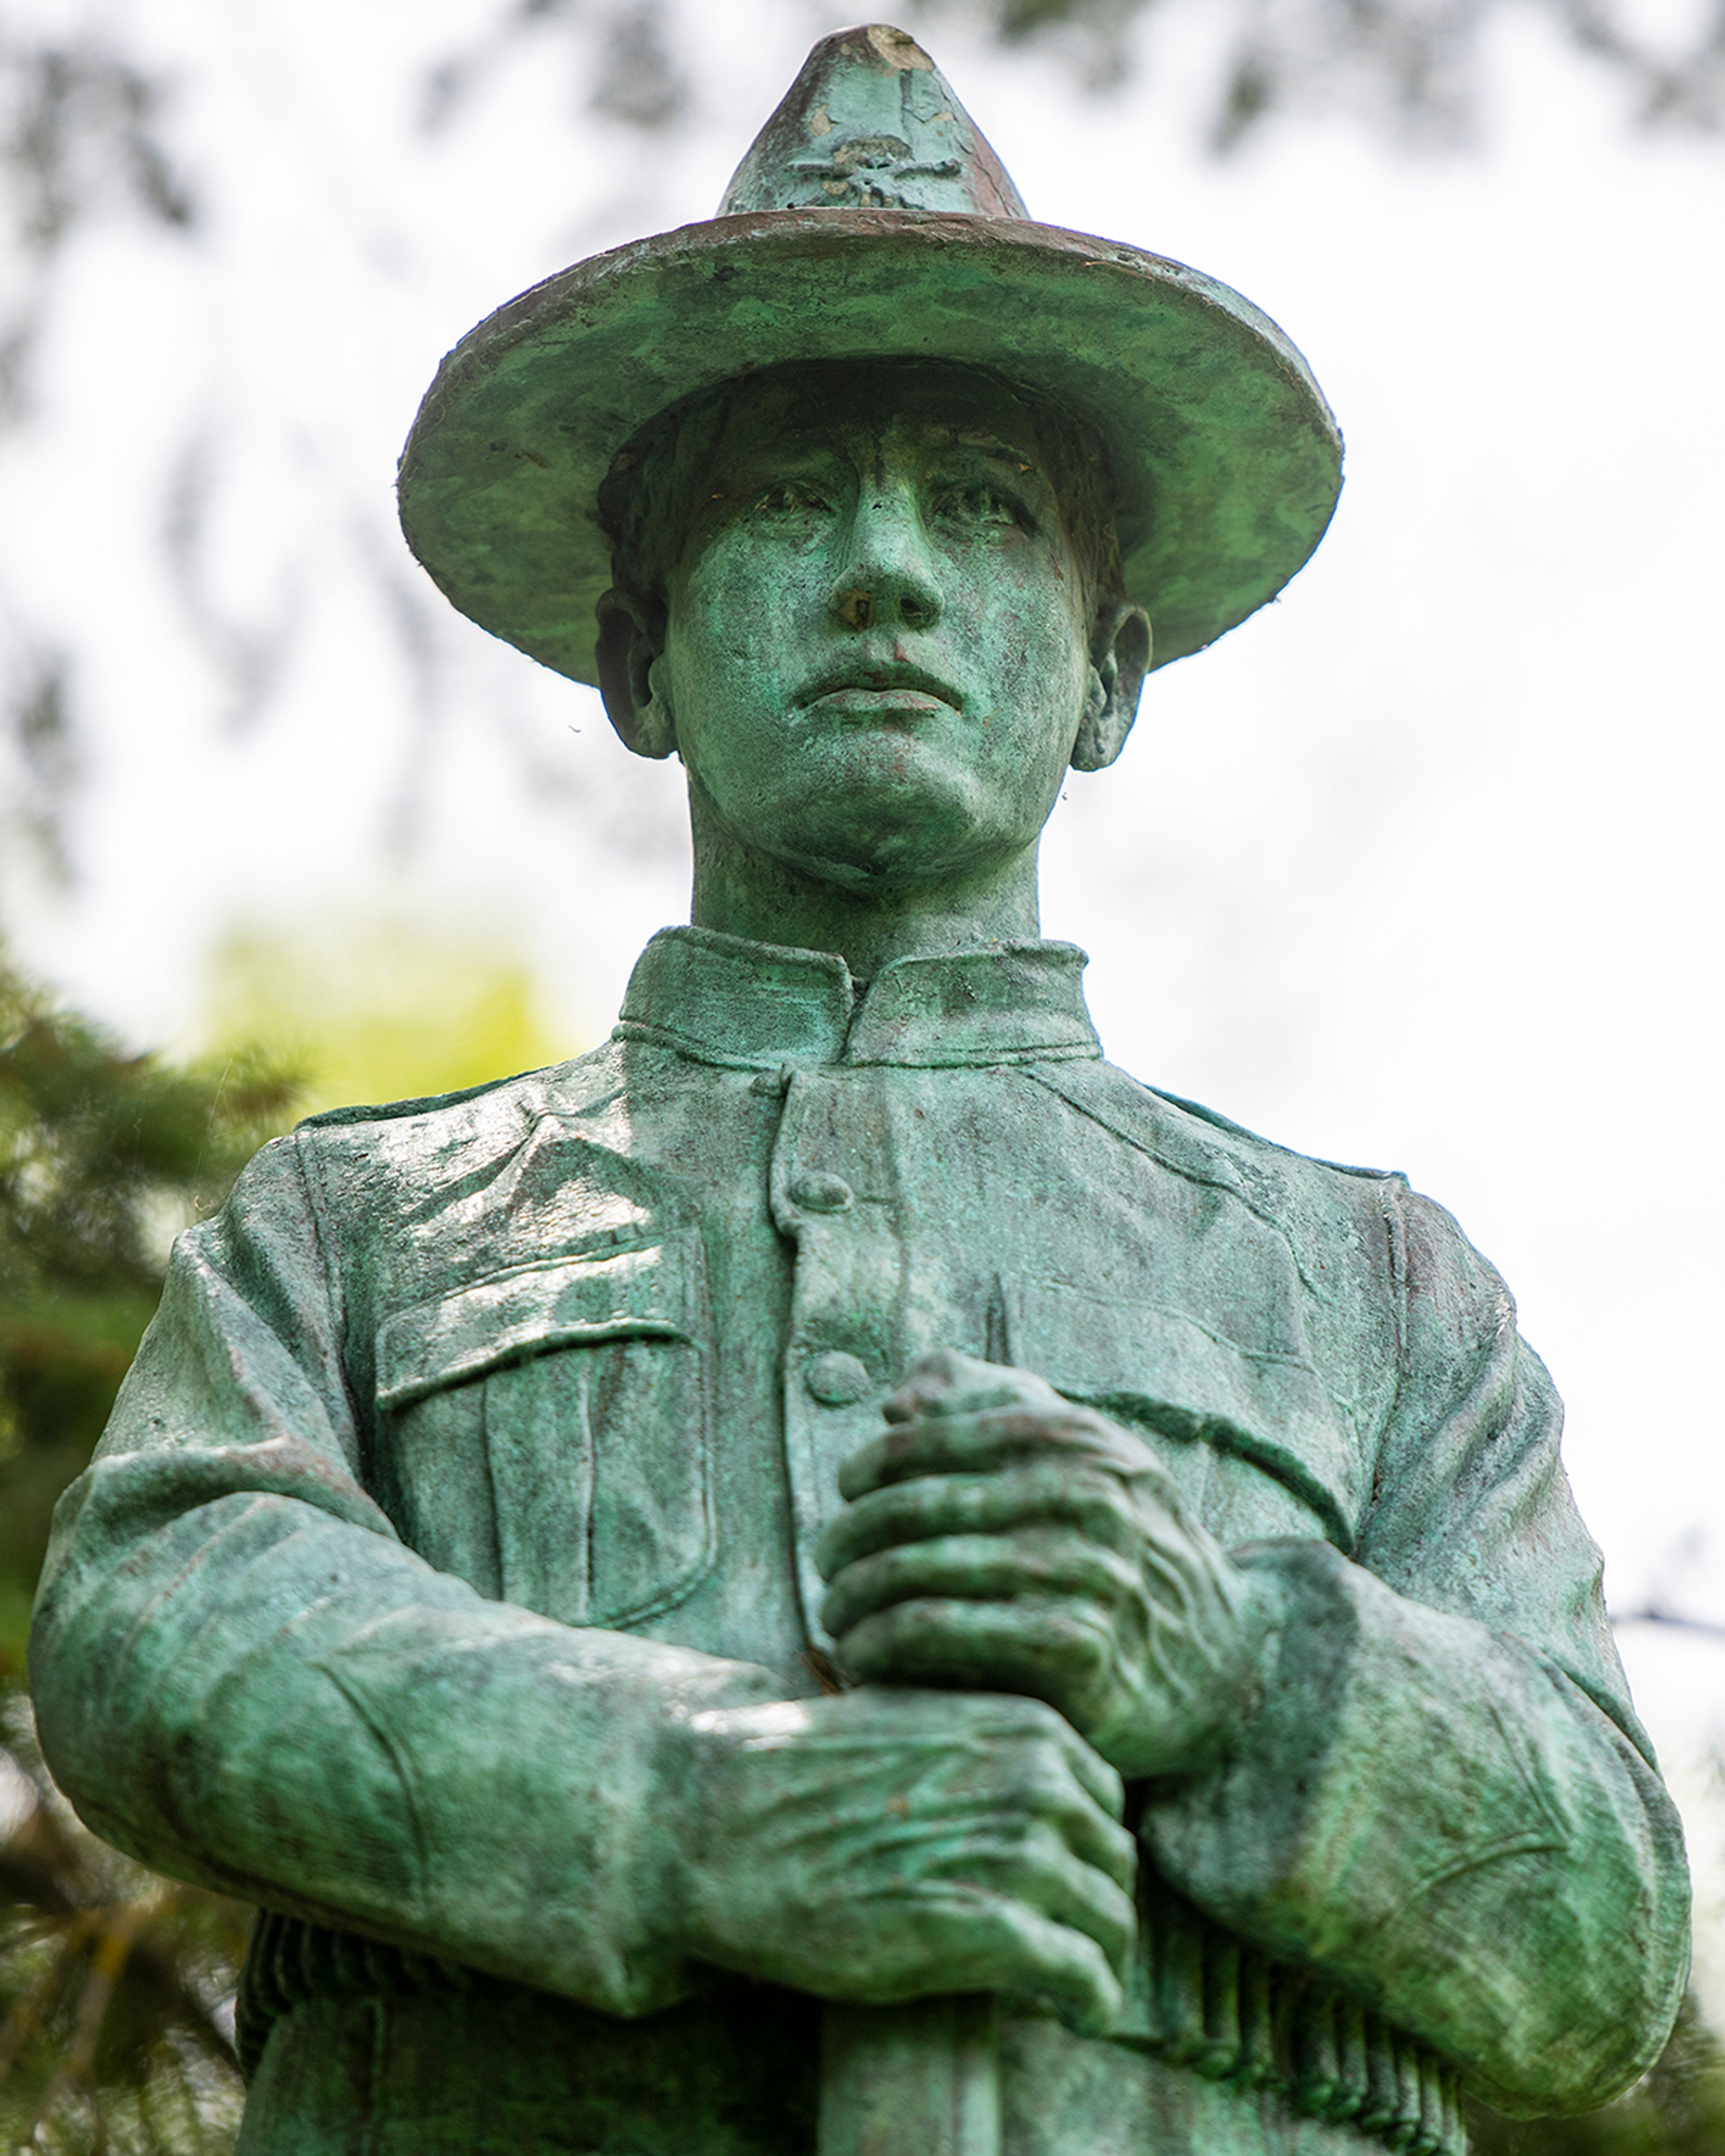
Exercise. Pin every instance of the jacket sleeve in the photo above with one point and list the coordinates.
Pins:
(243, 1678)
(1445, 1801)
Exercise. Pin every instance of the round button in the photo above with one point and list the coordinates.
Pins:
(821, 1194)
(838, 1380)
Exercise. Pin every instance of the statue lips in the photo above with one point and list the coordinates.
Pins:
(892, 694)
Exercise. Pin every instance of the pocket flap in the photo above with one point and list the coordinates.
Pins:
(607, 1294)
(1185, 1379)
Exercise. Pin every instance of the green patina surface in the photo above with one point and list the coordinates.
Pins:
(838, 1572)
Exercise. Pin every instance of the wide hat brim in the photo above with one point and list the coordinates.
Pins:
(1226, 460)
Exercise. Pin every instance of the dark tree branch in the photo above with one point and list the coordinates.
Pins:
(1654, 1615)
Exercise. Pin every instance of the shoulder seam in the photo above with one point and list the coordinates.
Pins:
(1221, 1122)
(388, 1111)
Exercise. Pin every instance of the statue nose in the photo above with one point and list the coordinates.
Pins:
(889, 581)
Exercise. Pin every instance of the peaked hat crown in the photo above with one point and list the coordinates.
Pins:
(871, 219)
(872, 123)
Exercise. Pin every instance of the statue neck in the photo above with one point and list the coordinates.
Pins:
(743, 892)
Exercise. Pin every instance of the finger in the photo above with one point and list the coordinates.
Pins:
(978, 1941)
(1056, 1650)
(948, 1383)
(1027, 1861)
(1041, 1770)
(1052, 1491)
(1036, 1564)
(1000, 1437)
(1047, 1767)
(1066, 1969)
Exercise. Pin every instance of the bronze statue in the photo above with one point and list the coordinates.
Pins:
(838, 1569)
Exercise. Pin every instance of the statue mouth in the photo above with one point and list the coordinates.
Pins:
(889, 691)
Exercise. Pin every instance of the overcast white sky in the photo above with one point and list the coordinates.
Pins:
(1419, 868)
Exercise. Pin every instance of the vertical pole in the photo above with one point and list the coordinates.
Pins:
(918, 2080)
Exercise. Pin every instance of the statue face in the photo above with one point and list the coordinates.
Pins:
(879, 651)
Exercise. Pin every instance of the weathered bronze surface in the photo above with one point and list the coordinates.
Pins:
(837, 1571)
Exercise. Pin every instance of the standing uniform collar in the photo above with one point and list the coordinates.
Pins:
(722, 999)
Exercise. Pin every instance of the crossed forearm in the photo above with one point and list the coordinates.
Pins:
(1026, 1557)
(1348, 1777)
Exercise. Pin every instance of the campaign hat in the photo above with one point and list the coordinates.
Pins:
(871, 219)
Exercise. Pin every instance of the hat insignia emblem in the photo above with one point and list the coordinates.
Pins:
(868, 171)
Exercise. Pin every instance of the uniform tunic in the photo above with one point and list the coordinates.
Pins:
(476, 1438)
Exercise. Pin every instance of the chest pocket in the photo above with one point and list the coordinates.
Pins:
(551, 1434)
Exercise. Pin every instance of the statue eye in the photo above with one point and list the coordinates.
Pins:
(788, 497)
(979, 506)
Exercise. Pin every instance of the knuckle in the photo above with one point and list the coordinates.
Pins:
(1047, 1791)
(1035, 1723)
(1120, 1847)
(1037, 1744)
(1013, 1844)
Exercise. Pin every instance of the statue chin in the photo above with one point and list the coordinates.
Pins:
(923, 825)
(894, 858)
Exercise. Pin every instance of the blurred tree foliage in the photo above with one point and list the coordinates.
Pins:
(112, 1982)
(103, 1156)
(90, 135)
(116, 1986)
(376, 1009)
(1416, 64)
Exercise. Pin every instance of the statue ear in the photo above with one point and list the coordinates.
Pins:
(631, 638)
(1120, 659)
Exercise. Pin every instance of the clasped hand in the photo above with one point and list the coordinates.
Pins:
(1001, 1539)
(1030, 1615)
